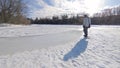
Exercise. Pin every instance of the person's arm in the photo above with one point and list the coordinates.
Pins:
(90, 21)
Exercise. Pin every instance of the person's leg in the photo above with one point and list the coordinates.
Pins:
(85, 31)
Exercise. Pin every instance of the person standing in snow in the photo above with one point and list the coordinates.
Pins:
(86, 25)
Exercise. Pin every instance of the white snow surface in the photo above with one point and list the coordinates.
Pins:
(32, 30)
(59, 46)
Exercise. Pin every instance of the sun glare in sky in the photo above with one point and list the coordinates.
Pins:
(93, 6)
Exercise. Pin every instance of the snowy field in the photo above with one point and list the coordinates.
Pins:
(59, 46)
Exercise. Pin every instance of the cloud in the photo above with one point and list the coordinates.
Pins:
(49, 8)
(48, 11)
(49, 2)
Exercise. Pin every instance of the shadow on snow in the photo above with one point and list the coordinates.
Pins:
(79, 48)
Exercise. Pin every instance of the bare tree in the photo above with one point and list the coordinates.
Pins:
(108, 16)
(10, 9)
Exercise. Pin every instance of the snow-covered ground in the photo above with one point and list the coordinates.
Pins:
(33, 30)
(59, 46)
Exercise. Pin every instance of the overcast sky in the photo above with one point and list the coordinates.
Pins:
(48, 8)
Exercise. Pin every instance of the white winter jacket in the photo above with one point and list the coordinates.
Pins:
(86, 22)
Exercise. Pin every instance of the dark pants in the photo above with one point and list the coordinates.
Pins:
(85, 30)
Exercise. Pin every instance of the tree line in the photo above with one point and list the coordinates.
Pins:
(110, 16)
(64, 19)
